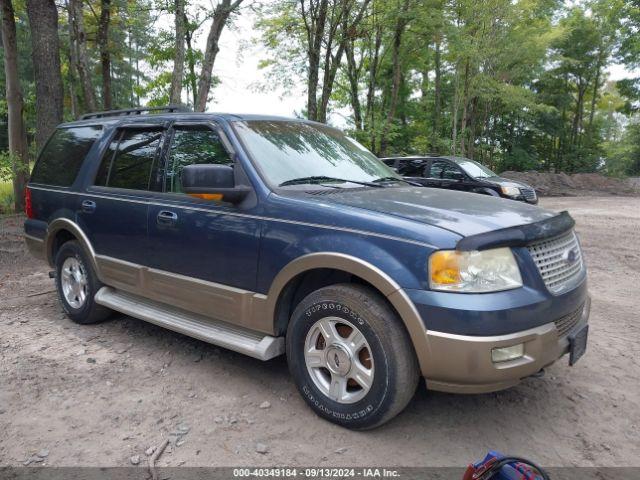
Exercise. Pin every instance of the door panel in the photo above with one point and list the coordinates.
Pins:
(117, 227)
(451, 176)
(113, 212)
(207, 244)
(206, 240)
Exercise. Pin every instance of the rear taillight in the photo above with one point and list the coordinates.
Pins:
(28, 207)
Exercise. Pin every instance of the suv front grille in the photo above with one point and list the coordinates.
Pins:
(565, 324)
(528, 193)
(559, 261)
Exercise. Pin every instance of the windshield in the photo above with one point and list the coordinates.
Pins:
(474, 169)
(287, 150)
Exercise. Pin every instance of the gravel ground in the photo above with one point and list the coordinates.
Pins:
(99, 395)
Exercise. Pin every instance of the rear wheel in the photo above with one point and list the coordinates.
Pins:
(351, 357)
(77, 284)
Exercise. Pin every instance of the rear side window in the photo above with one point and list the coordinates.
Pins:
(444, 170)
(130, 160)
(414, 168)
(63, 155)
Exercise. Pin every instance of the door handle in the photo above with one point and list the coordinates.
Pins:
(88, 206)
(165, 217)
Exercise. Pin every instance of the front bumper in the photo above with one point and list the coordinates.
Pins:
(462, 363)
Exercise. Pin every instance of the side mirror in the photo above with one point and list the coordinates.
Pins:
(212, 181)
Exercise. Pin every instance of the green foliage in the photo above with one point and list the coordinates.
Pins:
(6, 197)
(10, 163)
(7, 166)
(522, 84)
(623, 157)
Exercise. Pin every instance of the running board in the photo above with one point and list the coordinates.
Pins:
(251, 343)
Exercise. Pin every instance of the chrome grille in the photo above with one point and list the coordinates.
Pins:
(565, 324)
(528, 193)
(559, 261)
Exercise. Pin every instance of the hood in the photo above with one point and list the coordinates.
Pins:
(463, 213)
(505, 182)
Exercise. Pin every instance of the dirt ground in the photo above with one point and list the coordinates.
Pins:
(99, 395)
(577, 184)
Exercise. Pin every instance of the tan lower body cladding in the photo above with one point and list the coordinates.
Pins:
(230, 304)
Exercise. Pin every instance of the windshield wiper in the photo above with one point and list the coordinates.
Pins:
(317, 179)
(397, 179)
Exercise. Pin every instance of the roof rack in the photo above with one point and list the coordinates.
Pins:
(134, 111)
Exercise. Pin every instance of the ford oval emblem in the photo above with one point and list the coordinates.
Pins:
(570, 256)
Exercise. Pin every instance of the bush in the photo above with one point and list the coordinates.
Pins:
(7, 162)
(6, 197)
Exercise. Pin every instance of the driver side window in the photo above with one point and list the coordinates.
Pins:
(451, 172)
(436, 169)
(444, 170)
(189, 146)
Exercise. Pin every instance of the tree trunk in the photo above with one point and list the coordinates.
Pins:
(596, 87)
(575, 128)
(354, 77)
(191, 62)
(424, 83)
(45, 47)
(76, 19)
(397, 76)
(220, 17)
(332, 62)
(373, 75)
(16, 130)
(105, 54)
(471, 141)
(437, 85)
(454, 112)
(314, 20)
(73, 61)
(178, 62)
(465, 107)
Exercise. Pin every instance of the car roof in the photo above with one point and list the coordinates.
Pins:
(184, 116)
(430, 157)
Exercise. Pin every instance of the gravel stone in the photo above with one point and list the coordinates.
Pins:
(261, 448)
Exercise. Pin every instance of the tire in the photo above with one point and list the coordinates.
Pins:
(381, 376)
(76, 296)
(487, 191)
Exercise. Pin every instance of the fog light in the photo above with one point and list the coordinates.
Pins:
(504, 354)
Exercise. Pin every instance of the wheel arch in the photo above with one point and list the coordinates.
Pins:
(282, 293)
(62, 230)
(486, 191)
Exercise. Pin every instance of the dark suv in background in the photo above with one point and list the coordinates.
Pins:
(268, 235)
(459, 173)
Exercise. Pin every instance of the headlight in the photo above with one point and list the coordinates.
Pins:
(474, 272)
(510, 191)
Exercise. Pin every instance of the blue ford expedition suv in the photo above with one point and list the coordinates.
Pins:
(269, 236)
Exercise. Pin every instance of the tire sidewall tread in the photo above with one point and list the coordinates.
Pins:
(396, 370)
(90, 312)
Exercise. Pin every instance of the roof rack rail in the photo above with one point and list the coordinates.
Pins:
(135, 111)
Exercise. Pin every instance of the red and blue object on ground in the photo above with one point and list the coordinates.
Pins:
(497, 466)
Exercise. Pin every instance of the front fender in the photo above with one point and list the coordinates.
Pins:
(388, 265)
(405, 263)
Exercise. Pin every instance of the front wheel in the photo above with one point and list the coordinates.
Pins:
(351, 357)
